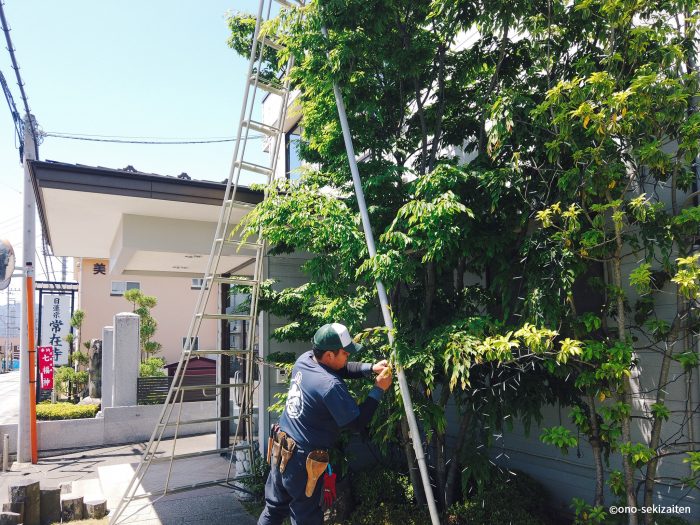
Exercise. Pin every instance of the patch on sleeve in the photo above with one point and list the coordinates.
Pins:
(295, 398)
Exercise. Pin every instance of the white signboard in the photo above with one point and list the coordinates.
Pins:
(55, 325)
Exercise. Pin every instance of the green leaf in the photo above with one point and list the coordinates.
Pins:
(640, 278)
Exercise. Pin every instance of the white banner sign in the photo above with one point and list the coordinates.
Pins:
(55, 325)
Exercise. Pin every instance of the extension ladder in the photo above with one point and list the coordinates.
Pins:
(215, 278)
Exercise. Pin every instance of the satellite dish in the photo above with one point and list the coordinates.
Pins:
(7, 263)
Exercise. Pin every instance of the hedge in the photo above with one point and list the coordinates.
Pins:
(48, 412)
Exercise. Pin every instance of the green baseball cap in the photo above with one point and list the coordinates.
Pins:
(335, 336)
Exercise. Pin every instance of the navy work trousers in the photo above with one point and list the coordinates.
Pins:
(284, 495)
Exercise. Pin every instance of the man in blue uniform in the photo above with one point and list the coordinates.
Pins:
(318, 406)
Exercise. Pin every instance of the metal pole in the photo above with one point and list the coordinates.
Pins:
(384, 302)
(5, 452)
(28, 249)
(33, 369)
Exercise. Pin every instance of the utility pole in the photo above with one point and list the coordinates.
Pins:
(24, 429)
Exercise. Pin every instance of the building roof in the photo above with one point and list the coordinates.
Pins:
(145, 224)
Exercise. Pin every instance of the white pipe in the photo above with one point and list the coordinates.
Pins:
(383, 300)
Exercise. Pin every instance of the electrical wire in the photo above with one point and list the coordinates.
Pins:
(97, 138)
(15, 66)
(136, 136)
(19, 125)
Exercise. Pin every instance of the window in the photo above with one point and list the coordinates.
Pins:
(119, 287)
(195, 344)
(197, 284)
(292, 160)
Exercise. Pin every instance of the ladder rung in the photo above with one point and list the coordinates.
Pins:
(255, 168)
(232, 351)
(287, 3)
(262, 128)
(198, 421)
(205, 387)
(233, 280)
(231, 202)
(227, 317)
(267, 41)
(184, 488)
(241, 244)
(279, 91)
(190, 455)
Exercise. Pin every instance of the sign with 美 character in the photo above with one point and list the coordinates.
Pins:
(55, 324)
(46, 358)
(99, 268)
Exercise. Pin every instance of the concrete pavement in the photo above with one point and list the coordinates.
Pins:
(9, 397)
(106, 472)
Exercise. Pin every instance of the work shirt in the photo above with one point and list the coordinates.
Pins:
(319, 403)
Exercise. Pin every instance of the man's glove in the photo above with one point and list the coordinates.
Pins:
(329, 494)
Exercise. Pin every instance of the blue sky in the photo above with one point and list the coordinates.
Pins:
(127, 68)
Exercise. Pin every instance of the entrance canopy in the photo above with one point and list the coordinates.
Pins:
(145, 224)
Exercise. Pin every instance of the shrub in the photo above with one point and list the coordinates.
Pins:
(375, 486)
(256, 482)
(384, 497)
(390, 514)
(61, 377)
(55, 411)
(152, 367)
(508, 498)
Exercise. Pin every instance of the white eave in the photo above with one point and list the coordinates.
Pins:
(144, 224)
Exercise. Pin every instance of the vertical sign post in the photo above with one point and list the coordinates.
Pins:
(55, 324)
(46, 358)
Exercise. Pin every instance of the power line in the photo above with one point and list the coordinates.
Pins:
(136, 136)
(19, 125)
(15, 66)
(161, 142)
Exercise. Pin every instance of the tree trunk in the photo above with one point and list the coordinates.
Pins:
(453, 470)
(596, 450)
(429, 295)
(630, 494)
(440, 468)
(459, 276)
(494, 81)
(655, 439)
(413, 472)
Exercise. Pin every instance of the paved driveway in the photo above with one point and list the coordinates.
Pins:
(9, 397)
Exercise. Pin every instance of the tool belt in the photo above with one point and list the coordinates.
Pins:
(281, 447)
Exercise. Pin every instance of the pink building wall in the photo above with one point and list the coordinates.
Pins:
(176, 302)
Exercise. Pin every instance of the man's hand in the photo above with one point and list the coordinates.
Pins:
(384, 379)
(379, 367)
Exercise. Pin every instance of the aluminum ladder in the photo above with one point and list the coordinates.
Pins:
(214, 278)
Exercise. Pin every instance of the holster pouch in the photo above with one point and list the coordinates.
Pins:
(316, 463)
(288, 446)
(270, 442)
(276, 447)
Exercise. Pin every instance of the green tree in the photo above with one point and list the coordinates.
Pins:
(498, 175)
(142, 305)
(623, 123)
(415, 104)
